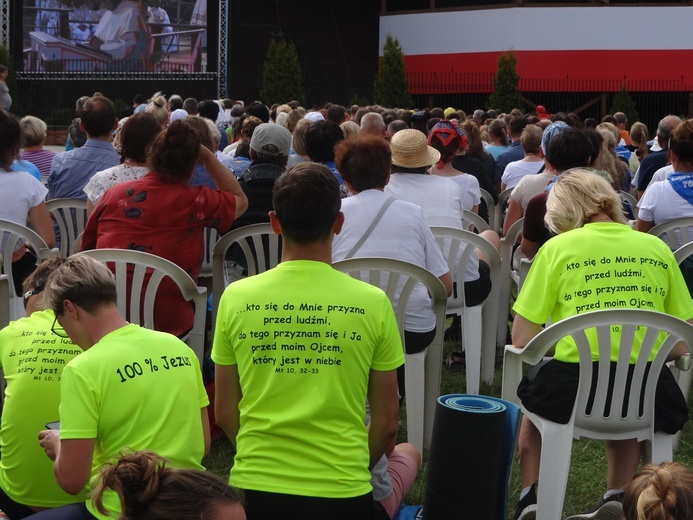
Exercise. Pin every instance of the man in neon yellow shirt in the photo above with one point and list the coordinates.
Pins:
(132, 388)
(32, 361)
(298, 349)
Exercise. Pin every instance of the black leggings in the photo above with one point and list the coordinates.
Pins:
(261, 505)
(70, 512)
(14, 510)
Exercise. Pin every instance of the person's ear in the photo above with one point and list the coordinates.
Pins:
(276, 227)
(338, 223)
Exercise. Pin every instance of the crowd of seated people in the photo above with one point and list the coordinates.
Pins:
(181, 166)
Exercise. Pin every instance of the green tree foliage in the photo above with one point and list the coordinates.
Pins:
(391, 85)
(506, 95)
(623, 102)
(282, 79)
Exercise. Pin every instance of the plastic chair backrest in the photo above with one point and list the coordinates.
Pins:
(683, 252)
(491, 207)
(500, 207)
(470, 218)
(139, 265)
(397, 278)
(11, 234)
(5, 289)
(675, 232)
(506, 252)
(259, 246)
(632, 202)
(210, 238)
(71, 217)
(457, 246)
(599, 417)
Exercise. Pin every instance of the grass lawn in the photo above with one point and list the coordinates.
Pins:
(586, 483)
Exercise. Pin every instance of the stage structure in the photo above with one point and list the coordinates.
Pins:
(65, 43)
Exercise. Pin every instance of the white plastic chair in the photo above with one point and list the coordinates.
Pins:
(210, 238)
(422, 370)
(632, 202)
(261, 248)
(479, 322)
(490, 206)
(5, 288)
(507, 278)
(71, 217)
(10, 235)
(498, 217)
(683, 378)
(140, 264)
(597, 421)
(470, 218)
(675, 232)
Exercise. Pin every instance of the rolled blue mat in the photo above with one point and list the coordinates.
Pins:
(466, 466)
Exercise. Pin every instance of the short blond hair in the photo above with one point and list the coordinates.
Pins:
(82, 280)
(33, 131)
(350, 129)
(531, 139)
(578, 195)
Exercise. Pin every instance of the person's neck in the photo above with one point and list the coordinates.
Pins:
(132, 162)
(316, 252)
(33, 148)
(446, 170)
(531, 157)
(599, 217)
(100, 324)
(105, 138)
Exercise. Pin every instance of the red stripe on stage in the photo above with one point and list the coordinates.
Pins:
(556, 71)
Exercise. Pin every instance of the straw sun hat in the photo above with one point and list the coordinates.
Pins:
(410, 149)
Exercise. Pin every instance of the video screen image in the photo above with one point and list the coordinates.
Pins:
(118, 36)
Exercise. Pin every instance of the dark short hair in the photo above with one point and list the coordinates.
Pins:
(98, 116)
(258, 110)
(175, 151)
(321, 138)
(516, 125)
(209, 109)
(137, 135)
(335, 114)
(364, 161)
(570, 148)
(306, 202)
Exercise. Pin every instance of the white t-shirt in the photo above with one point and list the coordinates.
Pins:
(402, 234)
(529, 186)
(440, 199)
(661, 174)
(469, 186)
(661, 203)
(515, 170)
(19, 193)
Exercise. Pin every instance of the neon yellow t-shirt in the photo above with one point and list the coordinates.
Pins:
(602, 266)
(135, 389)
(33, 359)
(305, 338)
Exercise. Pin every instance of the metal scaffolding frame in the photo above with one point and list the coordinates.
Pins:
(222, 68)
(5, 23)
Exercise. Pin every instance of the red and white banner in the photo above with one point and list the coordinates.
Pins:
(557, 48)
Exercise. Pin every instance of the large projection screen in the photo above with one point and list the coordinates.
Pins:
(121, 37)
